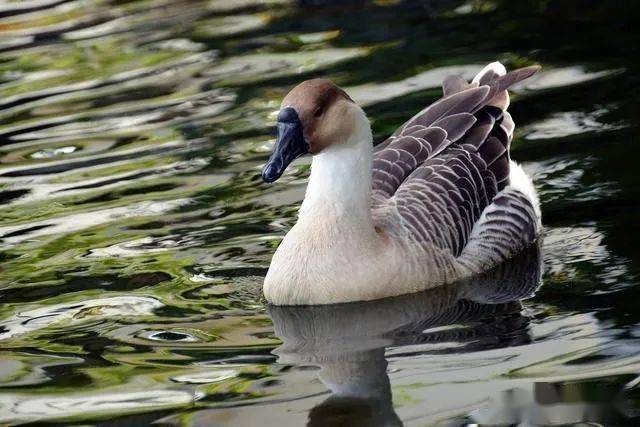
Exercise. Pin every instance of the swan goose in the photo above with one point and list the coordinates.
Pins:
(438, 201)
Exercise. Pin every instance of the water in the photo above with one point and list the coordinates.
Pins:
(135, 230)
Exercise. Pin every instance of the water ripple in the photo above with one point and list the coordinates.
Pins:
(135, 231)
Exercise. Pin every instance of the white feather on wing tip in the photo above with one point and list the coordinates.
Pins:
(496, 67)
(519, 180)
(501, 101)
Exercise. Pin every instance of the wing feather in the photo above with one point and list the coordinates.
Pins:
(446, 165)
(455, 84)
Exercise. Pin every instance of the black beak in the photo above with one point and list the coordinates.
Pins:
(289, 145)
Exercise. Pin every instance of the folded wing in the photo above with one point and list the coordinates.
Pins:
(445, 165)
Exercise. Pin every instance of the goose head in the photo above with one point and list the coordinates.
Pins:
(315, 115)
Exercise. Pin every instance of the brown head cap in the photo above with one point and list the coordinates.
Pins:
(323, 111)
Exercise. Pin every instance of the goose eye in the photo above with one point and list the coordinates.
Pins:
(318, 112)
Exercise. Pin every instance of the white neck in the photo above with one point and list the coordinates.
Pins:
(340, 181)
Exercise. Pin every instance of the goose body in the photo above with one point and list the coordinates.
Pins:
(438, 201)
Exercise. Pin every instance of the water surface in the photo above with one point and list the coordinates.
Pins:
(135, 230)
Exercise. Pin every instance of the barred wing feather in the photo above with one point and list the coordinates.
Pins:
(445, 166)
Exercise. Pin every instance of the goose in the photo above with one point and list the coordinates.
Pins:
(438, 201)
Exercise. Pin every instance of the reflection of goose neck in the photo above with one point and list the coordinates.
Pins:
(364, 376)
(361, 392)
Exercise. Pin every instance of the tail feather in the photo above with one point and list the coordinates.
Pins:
(489, 76)
(492, 133)
(489, 73)
(455, 84)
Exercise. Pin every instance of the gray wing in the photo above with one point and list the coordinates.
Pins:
(443, 198)
(505, 228)
(444, 166)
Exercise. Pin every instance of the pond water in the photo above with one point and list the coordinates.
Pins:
(135, 229)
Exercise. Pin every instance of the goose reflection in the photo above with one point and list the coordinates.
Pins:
(348, 341)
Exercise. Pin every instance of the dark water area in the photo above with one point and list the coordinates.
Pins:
(135, 230)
